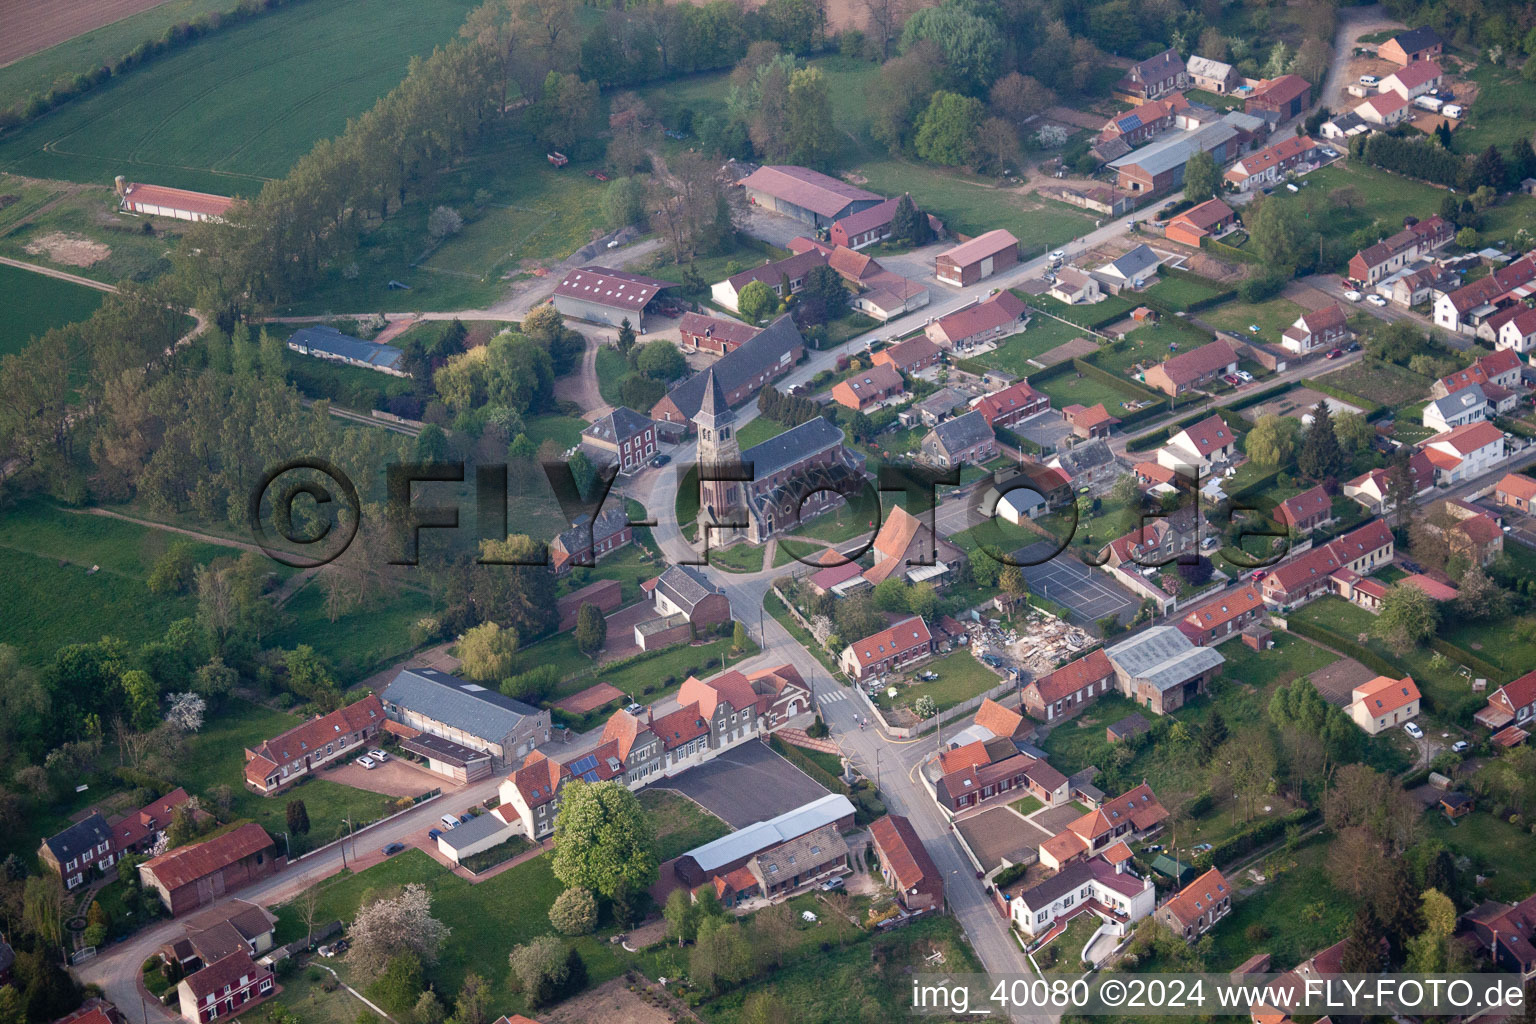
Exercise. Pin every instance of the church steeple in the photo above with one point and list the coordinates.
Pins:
(717, 446)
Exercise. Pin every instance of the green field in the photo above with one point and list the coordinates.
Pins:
(90, 50)
(91, 215)
(680, 823)
(1502, 113)
(1272, 317)
(961, 677)
(360, 641)
(1014, 354)
(1384, 383)
(36, 303)
(239, 106)
(45, 554)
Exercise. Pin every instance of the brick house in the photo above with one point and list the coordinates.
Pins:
(1144, 122)
(909, 356)
(624, 437)
(1417, 44)
(703, 333)
(905, 864)
(1064, 692)
(976, 777)
(893, 648)
(1391, 254)
(286, 759)
(589, 540)
(1197, 907)
(966, 439)
(871, 387)
(1012, 404)
(872, 224)
(1302, 513)
(1297, 580)
(1211, 219)
(1270, 164)
(1512, 703)
(1089, 423)
(73, 852)
(1156, 76)
(1133, 814)
(224, 988)
(1223, 617)
(1189, 370)
(1279, 99)
(193, 876)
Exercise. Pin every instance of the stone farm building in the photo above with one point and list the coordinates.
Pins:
(606, 296)
(742, 848)
(195, 876)
(805, 195)
(1162, 669)
(739, 375)
(325, 342)
(178, 203)
(473, 716)
(705, 333)
(588, 539)
(905, 865)
(977, 259)
(286, 759)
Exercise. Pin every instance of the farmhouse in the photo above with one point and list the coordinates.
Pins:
(1419, 44)
(1374, 263)
(872, 224)
(1211, 219)
(910, 356)
(805, 195)
(869, 388)
(892, 648)
(285, 759)
(606, 296)
(1191, 369)
(783, 277)
(1317, 329)
(1198, 906)
(473, 716)
(193, 876)
(1159, 167)
(739, 375)
(1279, 99)
(1414, 80)
(82, 846)
(1012, 405)
(1302, 513)
(1155, 76)
(1383, 703)
(325, 342)
(703, 333)
(623, 437)
(966, 439)
(160, 201)
(1269, 164)
(977, 259)
(1146, 121)
(905, 865)
(223, 988)
(1213, 75)
(1161, 669)
(1064, 692)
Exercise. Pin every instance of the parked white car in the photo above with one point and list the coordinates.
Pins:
(367, 762)
(1376, 300)
(378, 755)
(1413, 730)
(1369, 80)
(1353, 296)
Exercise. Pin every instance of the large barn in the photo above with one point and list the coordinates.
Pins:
(179, 203)
(805, 195)
(606, 296)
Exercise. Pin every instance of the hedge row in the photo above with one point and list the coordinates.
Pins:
(1221, 248)
(1267, 831)
(1371, 408)
(1248, 401)
(1347, 646)
(1479, 667)
(1089, 369)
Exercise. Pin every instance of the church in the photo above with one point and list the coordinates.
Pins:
(795, 476)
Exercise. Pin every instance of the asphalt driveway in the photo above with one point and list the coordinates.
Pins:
(747, 784)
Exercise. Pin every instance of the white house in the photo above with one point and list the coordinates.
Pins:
(1469, 405)
(1086, 886)
(1464, 452)
(1385, 109)
(1519, 333)
(1200, 446)
(1384, 702)
(1415, 80)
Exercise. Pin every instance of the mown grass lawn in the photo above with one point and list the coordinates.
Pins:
(1272, 316)
(1181, 291)
(360, 641)
(485, 920)
(1502, 851)
(1069, 389)
(1014, 354)
(961, 677)
(1028, 805)
(1299, 911)
(680, 823)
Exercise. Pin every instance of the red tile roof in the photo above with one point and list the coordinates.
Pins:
(211, 980)
(1206, 215)
(904, 851)
(1467, 438)
(1000, 403)
(967, 755)
(1303, 506)
(1384, 695)
(538, 779)
(1418, 73)
(1385, 103)
(807, 188)
(1218, 611)
(617, 288)
(1199, 362)
(997, 719)
(1211, 433)
(732, 331)
(1002, 308)
(1093, 416)
(1073, 676)
(1282, 90)
(979, 248)
(187, 864)
(313, 735)
(901, 636)
(1432, 588)
(178, 199)
(1517, 485)
(1198, 897)
(680, 726)
(916, 349)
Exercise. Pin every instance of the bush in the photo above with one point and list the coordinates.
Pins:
(1257, 289)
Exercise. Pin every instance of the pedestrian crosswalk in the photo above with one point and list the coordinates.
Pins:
(833, 696)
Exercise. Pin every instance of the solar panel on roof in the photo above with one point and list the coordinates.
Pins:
(585, 764)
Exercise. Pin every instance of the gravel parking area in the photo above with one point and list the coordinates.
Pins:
(999, 834)
(395, 777)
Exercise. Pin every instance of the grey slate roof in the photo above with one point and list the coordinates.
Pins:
(474, 830)
(685, 586)
(1169, 153)
(455, 703)
(328, 339)
(1458, 402)
(962, 432)
(942, 402)
(792, 446)
(1086, 456)
(609, 522)
(747, 362)
(1139, 262)
(1420, 38)
(765, 835)
(83, 835)
(618, 425)
(1163, 656)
